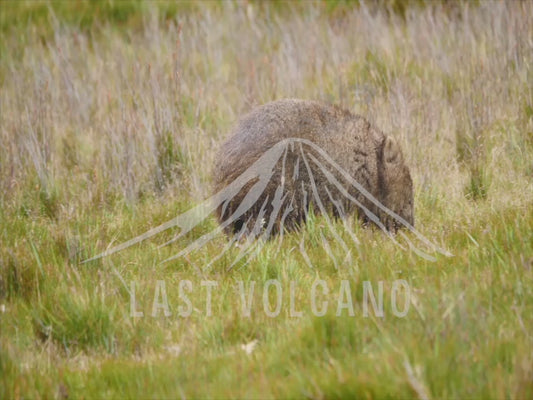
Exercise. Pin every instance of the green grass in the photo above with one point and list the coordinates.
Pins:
(111, 114)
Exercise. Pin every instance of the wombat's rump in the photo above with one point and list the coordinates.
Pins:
(332, 161)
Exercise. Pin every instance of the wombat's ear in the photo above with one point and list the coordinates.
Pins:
(391, 151)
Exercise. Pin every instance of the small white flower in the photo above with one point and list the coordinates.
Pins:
(248, 348)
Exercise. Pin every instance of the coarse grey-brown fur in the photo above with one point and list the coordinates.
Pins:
(373, 159)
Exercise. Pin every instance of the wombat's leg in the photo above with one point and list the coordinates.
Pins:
(237, 226)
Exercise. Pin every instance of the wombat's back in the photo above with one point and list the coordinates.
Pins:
(306, 174)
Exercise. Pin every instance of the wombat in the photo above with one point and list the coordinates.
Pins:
(289, 156)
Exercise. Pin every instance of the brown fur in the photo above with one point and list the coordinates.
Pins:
(370, 157)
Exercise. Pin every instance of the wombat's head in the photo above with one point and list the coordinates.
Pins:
(396, 184)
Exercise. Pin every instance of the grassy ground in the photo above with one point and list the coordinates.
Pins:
(111, 113)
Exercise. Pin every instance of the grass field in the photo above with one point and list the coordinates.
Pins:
(110, 116)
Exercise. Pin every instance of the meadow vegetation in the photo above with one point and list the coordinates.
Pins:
(110, 117)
